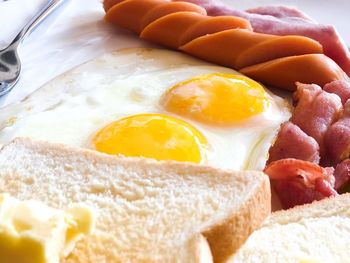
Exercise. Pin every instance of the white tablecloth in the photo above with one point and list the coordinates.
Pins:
(77, 33)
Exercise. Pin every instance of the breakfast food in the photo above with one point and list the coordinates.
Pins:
(274, 57)
(293, 142)
(317, 232)
(147, 210)
(182, 117)
(154, 103)
(317, 135)
(337, 137)
(285, 72)
(315, 111)
(278, 61)
(340, 87)
(283, 20)
(164, 105)
(32, 232)
(300, 182)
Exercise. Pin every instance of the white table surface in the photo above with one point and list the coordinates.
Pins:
(77, 33)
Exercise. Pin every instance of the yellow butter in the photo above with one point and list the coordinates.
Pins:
(32, 232)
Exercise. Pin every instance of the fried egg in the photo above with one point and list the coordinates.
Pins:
(157, 104)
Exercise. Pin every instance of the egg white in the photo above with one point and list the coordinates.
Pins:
(73, 107)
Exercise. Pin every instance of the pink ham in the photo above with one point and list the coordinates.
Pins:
(280, 12)
(292, 142)
(292, 193)
(287, 23)
(337, 137)
(298, 182)
(339, 87)
(316, 110)
(342, 175)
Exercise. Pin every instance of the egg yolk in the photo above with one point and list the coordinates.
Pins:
(223, 99)
(155, 136)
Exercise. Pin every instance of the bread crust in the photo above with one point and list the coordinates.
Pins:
(226, 237)
(198, 250)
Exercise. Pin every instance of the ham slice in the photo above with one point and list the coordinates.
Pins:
(337, 137)
(281, 12)
(292, 193)
(282, 21)
(339, 87)
(298, 182)
(316, 110)
(292, 142)
(342, 175)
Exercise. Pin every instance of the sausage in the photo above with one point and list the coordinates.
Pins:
(285, 72)
(169, 8)
(129, 13)
(278, 61)
(168, 29)
(238, 48)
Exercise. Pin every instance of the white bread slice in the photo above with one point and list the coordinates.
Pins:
(148, 211)
(317, 232)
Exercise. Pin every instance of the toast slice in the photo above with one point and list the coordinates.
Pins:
(317, 232)
(147, 211)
